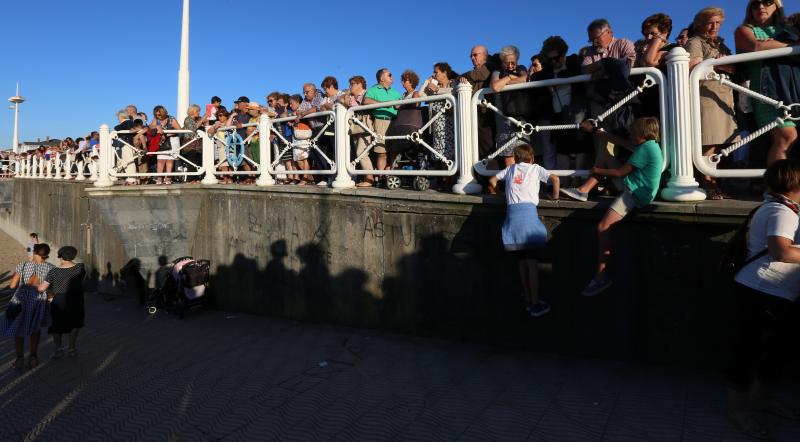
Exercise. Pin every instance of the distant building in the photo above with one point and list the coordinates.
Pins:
(33, 145)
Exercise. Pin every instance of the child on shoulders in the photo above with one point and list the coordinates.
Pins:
(524, 235)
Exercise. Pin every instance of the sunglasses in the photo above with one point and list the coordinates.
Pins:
(766, 3)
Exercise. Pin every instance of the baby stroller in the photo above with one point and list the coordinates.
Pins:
(409, 155)
(184, 288)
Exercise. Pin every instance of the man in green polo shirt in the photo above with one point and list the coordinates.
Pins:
(383, 116)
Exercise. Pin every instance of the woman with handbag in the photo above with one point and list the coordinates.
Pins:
(27, 312)
(167, 149)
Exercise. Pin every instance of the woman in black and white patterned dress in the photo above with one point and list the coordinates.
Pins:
(27, 312)
(442, 129)
(65, 287)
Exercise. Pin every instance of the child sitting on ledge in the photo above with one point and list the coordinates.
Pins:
(641, 176)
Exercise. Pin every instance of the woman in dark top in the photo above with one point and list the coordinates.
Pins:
(64, 285)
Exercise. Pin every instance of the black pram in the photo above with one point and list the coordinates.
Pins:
(184, 288)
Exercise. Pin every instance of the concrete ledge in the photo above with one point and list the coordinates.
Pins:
(727, 211)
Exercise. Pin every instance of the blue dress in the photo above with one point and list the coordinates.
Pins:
(35, 314)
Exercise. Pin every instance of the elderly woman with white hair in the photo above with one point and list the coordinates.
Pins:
(718, 121)
(124, 146)
(193, 149)
(513, 104)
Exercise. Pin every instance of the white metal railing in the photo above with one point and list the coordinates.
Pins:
(679, 109)
(704, 71)
(227, 139)
(80, 166)
(311, 144)
(415, 137)
(7, 168)
(653, 78)
(123, 157)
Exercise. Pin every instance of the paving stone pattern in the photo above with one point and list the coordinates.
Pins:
(224, 376)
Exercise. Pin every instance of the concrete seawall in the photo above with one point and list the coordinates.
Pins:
(420, 263)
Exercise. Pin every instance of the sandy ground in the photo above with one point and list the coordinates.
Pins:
(12, 254)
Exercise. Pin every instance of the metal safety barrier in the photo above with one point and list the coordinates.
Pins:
(234, 147)
(704, 71)
(523, 129)
(123, 156)
(417, 137)
(310, 145)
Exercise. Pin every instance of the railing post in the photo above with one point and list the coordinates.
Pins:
(47, 168)
(466, 182)
(208, 158)
(67, 166)
(264, 152)
(104, 150)
(58, 165)
(17, 167)
(682, 186)
(343, 179)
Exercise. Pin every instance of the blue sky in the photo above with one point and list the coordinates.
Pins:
(79, 61)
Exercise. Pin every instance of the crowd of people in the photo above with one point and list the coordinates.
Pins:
(307, 144)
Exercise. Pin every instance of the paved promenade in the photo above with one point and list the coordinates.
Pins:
(225, 376)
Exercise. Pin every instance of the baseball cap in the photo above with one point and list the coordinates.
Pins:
(242, 99)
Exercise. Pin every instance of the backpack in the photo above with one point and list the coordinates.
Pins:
(734, 255)
(153, 141)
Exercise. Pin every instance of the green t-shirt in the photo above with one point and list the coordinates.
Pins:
(647, 161)
(378, 93)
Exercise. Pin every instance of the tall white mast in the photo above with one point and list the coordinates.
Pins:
(17, 100)
(183, 70)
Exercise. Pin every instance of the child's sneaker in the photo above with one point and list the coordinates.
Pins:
(596, 287)
(541, 308)
(575, 194)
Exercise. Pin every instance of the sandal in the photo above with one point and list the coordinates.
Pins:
(33, 361)
(167, 180)
(19, 363)
(715, 195)
(365, 183)
(159, 181)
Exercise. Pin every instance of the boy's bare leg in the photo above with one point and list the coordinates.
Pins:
(604, 242)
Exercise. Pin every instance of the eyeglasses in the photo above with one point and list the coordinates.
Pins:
(766, 3)
(598, 36)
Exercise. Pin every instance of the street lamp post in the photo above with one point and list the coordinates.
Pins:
(183, 69)
(17, 100)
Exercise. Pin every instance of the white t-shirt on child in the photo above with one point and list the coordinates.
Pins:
(765, 274)
(522, 182)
